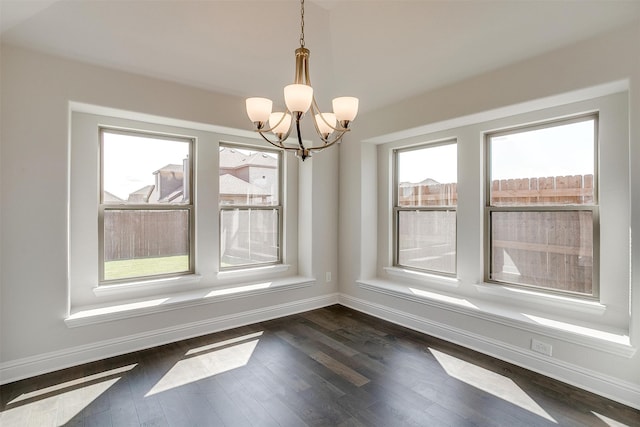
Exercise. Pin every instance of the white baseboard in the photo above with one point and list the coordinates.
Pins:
(612, 388)
(31, 366)
(606, 386)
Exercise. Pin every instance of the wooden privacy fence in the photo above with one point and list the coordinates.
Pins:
(132, 234)
(552, 249)
(571, 190)
(427, 194)
(566, 190)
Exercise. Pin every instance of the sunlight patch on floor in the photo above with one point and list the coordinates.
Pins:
(58, 389)
(490, 382)
(224, 343)
(204, 362)
(78, 394)
(608, 421)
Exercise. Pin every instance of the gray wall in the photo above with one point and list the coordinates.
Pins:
(586, 70)
(37, 90)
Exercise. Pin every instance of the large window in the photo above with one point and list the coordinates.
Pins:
(146, 206)
(425, 207)
(541, 206)
(250, 206)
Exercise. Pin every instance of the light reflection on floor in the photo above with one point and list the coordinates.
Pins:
(77, 394)
(490, 382)
(60, 403)
(206, 361)
(608, 421)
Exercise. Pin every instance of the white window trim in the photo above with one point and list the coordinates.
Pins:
(603, 315)
(397, 209)
(278, 207)
(104, 207)
(84, 287)
(593, 208)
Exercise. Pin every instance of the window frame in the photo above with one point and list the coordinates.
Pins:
(594, 208)
(397, 208)
(102, 207)
(279, 207)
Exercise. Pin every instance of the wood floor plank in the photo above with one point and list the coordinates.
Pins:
(327, 367)
(303, 329)
(330, 363)
(226, 409)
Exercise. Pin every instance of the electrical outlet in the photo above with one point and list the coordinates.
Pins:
(328, 276)
(541, 347)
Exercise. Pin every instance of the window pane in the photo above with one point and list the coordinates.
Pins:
(550, 166)
(427, 240)
(249, 236)
(428, 176)
(139, 243)
(139, 169)
(552, 249)
(248, 177)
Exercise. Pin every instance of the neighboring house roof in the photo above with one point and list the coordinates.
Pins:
(231, 158)
(427, 181)
(110, 197)
(170, 168)
(141, 195)
(263, 160)
(172, 196)
(232, 186)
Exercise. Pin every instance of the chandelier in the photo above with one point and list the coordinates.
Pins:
(299, 99)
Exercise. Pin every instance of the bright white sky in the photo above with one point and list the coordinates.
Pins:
(438, 162)
(129, 161)
(556, 151)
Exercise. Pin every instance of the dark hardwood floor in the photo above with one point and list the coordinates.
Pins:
(329, 367)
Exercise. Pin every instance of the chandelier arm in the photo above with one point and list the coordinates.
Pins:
(281, 140)
(316, 109)
(279, 144)
(329, 143)
(262, 129)
(299, 133)
(314, 112)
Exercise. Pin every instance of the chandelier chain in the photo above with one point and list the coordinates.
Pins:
(301, 23)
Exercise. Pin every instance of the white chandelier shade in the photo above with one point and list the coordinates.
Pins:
(259, 109)
(280, 122)
(299, 99)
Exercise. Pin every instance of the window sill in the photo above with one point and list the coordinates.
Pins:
(155, 284)
(252, 272)
(528, 295)
(614, 342)
(404, 273)
(99, 314)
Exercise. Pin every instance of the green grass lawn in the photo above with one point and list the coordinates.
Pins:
(131, 268)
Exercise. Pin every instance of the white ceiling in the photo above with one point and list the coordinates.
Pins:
(380, 51)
